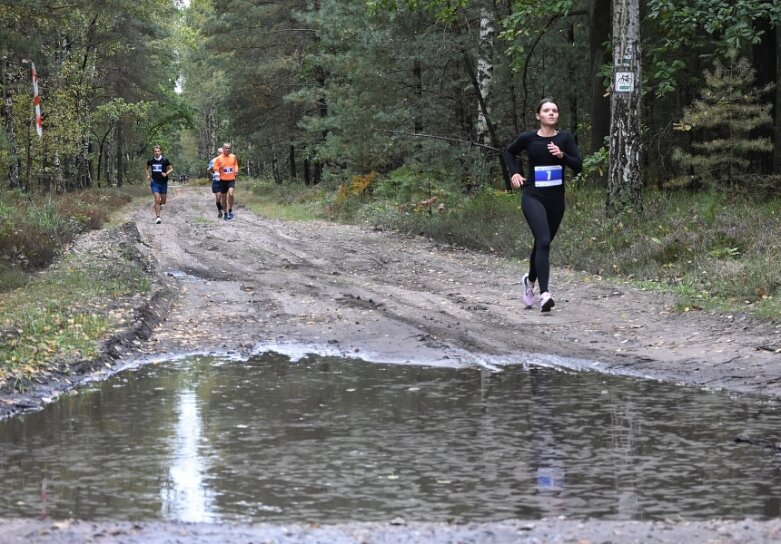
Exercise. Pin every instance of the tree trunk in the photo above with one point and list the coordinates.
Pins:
(777, 116)
(484, 109)
(485, 71)
(59, 182)
(624, 183)
(599, 33)
(459, 101)
(275, 165)
(574, 91)
(292, 161)
(417, 81)
(13, 150)
(765, 62)
(120, 164)
(28, 176)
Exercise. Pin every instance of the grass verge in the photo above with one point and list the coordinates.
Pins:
(51, 316)
(715, 251)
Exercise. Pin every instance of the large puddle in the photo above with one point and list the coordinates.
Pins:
(332, 440)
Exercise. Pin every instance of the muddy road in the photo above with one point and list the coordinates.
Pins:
(253, 284)
(384, 297)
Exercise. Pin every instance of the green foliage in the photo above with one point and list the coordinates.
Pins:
(595, 165)
(292, 202)
(32, 231)
(699, 28)
(713, 250)
(61, 315)
(723, 119)
(444, 10)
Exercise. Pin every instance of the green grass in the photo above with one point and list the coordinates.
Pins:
(50, 315)
(713, 250)
(274, 201)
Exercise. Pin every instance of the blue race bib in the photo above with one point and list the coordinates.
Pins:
(548, 176)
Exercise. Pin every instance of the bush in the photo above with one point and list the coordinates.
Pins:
(33, 229)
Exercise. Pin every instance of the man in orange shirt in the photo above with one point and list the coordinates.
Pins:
(227, 166)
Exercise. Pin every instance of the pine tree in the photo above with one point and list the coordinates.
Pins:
(722, 121)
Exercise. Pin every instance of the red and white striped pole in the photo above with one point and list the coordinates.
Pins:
(36, 98)
(37, 102)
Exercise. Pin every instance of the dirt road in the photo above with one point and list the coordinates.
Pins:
(385, 297)
(253, 284)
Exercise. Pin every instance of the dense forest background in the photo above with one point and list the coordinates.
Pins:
(427, 91)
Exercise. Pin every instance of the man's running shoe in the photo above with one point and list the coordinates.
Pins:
(158, 221)
(225, 216)
(546, 302)
(219, 214)
(230, 215)
(528, 291)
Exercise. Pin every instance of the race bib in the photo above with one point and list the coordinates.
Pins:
(548, 176)
(228, 169)
(157, 167)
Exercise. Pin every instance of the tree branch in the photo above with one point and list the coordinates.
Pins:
(445, 138)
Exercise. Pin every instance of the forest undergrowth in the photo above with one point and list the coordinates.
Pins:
(716, 251)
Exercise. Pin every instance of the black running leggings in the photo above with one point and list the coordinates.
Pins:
(543, 210)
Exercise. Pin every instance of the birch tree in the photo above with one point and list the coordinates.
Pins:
(485, 70)
(624, 183)
(10, 135)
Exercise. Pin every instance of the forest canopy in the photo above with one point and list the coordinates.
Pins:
(310, 90)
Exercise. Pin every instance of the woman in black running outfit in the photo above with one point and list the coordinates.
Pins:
(549, 151)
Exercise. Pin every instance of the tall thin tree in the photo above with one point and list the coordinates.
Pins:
(624, 183)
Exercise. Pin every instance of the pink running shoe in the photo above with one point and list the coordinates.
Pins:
(546, 302)
(528, 291)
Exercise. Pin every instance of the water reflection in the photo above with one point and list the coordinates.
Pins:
(184, 495)
(330, 440)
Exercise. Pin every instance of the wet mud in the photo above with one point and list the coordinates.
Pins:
(252, 284)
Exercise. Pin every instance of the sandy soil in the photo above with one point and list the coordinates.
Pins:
(251, 284)
(382, 296)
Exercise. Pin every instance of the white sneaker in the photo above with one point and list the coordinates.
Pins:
(546, 302)
(158, 221)
(528, 291)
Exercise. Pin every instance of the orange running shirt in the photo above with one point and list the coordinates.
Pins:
(227, 166)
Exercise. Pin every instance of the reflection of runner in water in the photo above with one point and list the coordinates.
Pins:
(216, 183)
(546, 449)
(549, 151)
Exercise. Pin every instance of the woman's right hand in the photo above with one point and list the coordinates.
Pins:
(517, 181)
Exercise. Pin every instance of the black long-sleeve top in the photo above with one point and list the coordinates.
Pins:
(536, 148)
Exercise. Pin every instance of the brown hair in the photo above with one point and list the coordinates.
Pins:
(546, 100)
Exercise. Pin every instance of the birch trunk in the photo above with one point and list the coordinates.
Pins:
(13, 148)
(485, 70)
(624, 183)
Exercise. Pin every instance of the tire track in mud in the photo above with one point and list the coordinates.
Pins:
(261, 280)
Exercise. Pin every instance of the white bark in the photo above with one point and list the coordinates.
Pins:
(624, 183)
(485, 69)
(13, 151)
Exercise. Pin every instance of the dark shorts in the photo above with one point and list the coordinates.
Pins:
(159, 187)
(215, 186)
(225, 185)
